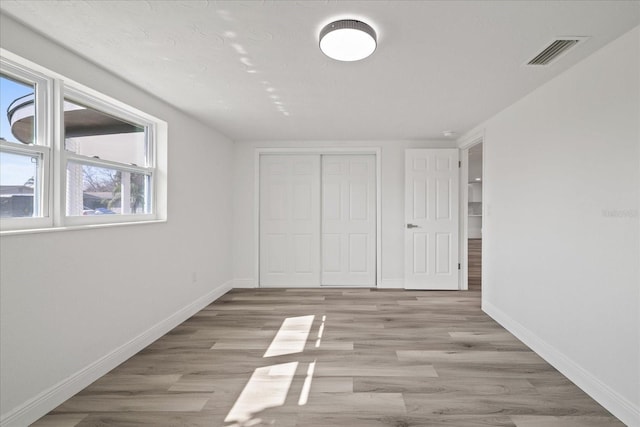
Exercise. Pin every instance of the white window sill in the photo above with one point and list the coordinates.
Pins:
(78, 227)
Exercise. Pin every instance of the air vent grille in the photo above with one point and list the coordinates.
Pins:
(554, 50)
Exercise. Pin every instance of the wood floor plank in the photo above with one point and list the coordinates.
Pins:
(371, 358)
(520, 404)
(445, 386)
(475, 264)
(470, 356)
(60, 420)
(565, 421)
(124, 402)
(132, 383)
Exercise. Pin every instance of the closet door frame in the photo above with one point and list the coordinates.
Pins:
(376, 151)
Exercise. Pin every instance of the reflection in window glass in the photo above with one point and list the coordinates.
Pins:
(91, 133)
(139, 194)
(17, 110)
(19, 182)
(93, 190)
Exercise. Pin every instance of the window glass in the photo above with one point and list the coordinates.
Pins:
(17, 107)
(139, 194)
(19, 182)
(92, 133)
(93, 190)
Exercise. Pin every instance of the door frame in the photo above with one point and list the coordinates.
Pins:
(375, 151)
(464, 146)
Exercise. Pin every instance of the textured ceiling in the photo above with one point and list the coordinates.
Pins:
(253, 70)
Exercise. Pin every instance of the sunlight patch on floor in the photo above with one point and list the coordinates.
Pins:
(320, 332)
(306, 387)
(267, 388)
(291, 337)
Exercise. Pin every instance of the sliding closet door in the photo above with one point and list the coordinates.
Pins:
(348, 220)
(289, 220)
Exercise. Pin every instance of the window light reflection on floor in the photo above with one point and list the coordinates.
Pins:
(320, 331)
(267, 388)
(291, 337)
(306, 387)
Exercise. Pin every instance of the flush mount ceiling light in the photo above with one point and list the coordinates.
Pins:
(347, 40)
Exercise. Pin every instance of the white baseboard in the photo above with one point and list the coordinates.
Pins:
(619, 406)
(40, 405)
(391, 284)
(384, 283)
(244, 283)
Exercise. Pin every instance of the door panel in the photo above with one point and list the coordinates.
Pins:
(431, 208)
(290, 220)
(349, 220)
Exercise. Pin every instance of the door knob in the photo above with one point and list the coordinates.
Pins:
(412, 226)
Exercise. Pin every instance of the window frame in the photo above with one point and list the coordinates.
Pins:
(42, 145)
(85, 98)
(51, 89)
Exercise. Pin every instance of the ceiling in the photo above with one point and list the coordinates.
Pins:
(253, 70)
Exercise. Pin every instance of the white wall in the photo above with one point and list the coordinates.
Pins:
(392, 177)
(561, 229)
(70, 298)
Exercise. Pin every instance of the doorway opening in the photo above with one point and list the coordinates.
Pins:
(474, 217)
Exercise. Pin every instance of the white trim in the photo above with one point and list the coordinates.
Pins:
(376, 151)
(245, 283)
(40, 405)
(619, 406)
(471, 139)
(107, 164)
(59, 173)
(464, 219)
(78, 227)
(391, 284)
(378, 154)
(256, 214)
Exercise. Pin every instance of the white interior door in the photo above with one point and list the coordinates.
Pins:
(289, 220)
(431, 219)
(348, 220)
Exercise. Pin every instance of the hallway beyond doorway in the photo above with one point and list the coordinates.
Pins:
(474, 263)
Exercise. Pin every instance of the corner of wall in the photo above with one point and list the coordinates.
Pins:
(624, 409)
(245, 284)
(40, 405)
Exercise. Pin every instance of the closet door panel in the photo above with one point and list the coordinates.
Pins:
(348, 220)
(289, 220)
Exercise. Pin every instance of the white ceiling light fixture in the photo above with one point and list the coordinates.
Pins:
(348, 40)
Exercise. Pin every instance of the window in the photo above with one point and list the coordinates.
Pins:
(98, 167)
(24, 147)
(109, 161)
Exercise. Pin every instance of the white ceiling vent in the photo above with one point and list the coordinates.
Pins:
(555, 50)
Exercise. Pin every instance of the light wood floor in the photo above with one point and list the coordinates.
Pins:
(475, 264)
(371, 358)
